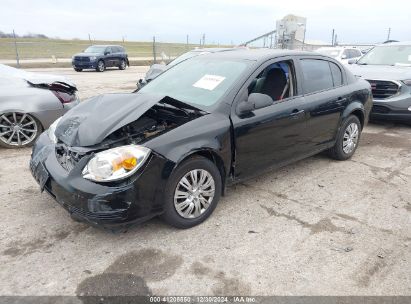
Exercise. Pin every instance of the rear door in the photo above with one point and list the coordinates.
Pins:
(325, 96)
(270, 136)
(110, 57)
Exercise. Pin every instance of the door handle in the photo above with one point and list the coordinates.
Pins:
(296, 113)
(341, 100)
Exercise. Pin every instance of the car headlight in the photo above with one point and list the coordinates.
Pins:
(115, 164)
(93, 58)
(52, 130)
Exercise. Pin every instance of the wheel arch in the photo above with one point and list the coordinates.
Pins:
(355, 108)
(211, 155)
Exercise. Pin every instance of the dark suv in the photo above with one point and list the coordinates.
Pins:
(100, 57)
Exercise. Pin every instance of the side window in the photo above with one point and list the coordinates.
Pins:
(316, 75)
(336, 73)
(277, 81)
(356, 53)
(347, 54)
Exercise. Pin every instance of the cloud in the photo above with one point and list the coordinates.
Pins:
(222, 21)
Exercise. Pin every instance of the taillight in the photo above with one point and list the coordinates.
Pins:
(64, 97)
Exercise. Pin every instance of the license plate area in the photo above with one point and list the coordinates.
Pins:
(41, 175)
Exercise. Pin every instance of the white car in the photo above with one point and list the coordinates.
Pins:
(342, 54)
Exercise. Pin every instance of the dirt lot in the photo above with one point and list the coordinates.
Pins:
(317, 227)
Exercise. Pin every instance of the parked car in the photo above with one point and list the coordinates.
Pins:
(29, 103)
(172, 148)
(158, 68)
(342, 54)
(100, 57)
(388, 69)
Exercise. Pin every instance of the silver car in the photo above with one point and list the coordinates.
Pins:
(30, 103)
(387, 68)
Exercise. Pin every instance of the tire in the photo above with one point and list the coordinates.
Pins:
(78, 70)
(101, 66)
(122, 65)
(201, 204)
(18, 130)
(343, 149)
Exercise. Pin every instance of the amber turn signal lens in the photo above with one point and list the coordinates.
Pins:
(127, 162)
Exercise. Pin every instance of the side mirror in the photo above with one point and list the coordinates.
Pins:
(352, 61)
(260, 100)
(343, 56)
(106, 53)
(255, 101)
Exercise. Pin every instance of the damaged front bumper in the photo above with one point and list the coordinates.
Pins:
(109, 205)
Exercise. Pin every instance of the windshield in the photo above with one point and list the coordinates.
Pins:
(185, 56)
(331, 53)
(199, 81)
(95, 49)
(388, 55)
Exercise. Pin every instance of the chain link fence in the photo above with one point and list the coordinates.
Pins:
(35, 52)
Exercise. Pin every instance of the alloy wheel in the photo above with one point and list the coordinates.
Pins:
(350, 138)
(194, 193)
(17, 129)
(100, 66)
(123, 64)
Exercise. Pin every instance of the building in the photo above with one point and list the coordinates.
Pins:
(289, 29)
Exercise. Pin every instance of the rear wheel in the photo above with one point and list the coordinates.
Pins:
(347, 139)
(100, 66)
(18, 130)
(192, 193)
(122, 65)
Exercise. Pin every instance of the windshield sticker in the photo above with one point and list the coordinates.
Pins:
(209, 82)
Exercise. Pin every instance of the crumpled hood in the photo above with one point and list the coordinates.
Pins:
(90, 122)
(34, 78)
(382, 72)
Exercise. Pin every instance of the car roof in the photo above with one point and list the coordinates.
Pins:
(402, 43)
(106, 45)
(261, 54)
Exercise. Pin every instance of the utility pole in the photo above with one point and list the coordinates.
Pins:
(187, 43)
(154, 49)
(203, 40)
(389, 33)
(332, 38)
(89, 38)
(17, 53)
(305, 27)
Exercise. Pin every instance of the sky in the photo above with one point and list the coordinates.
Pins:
(222, 21)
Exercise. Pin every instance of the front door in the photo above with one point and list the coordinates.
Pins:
(274, 135)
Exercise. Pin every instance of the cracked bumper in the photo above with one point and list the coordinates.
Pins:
(108, 205)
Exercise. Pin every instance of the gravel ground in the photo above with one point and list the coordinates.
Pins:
(317, 227)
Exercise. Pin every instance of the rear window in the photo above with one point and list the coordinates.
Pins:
(317, 75)
(337, 74)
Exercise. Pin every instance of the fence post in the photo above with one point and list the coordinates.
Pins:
(154, 49)
(17, 53)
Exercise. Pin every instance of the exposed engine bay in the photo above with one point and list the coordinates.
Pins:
(157, 120)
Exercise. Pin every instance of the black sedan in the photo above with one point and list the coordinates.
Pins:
(171, 149)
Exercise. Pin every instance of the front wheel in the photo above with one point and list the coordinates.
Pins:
(100, 66)
(192, 193)
(18, 130)
(78, 70)
(347, 139)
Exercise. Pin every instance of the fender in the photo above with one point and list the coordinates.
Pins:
(190, 138)
(354, 106)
